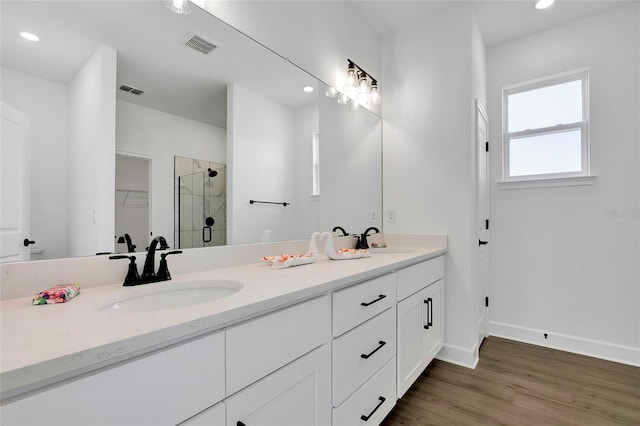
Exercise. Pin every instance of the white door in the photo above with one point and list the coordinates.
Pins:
(412, 319)
(433, 329)
(482, 219)
(15, 186)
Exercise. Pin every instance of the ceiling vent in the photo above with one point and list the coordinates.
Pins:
(131, 90)
(199, 43)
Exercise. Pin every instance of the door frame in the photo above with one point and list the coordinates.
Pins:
(152, 187)
(481, 114)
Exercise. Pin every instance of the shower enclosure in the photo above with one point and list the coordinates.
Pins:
(200, 203)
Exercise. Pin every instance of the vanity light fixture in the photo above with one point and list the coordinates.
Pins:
(29, 36)
(543, 4)
(360, 88)
(181, 7)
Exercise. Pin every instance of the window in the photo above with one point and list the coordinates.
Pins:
(315, 164)
(546, 128)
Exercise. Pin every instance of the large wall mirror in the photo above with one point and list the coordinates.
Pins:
(103, 153)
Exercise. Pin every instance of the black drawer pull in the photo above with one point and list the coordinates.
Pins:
(239, 423)
(380, 297)
(382, 399)
(381, 343)
(429, 303)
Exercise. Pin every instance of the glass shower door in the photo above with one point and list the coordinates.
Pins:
(200, 213)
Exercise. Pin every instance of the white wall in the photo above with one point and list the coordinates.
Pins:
(350, 167)
(91, 177)
(306, 206)
(565, 260)
(161, 136)
(434, 69)
(46, 103)
(260, 156)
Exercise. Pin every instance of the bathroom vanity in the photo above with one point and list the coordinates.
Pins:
(330, 343)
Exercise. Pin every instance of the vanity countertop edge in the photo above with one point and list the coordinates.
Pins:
(42, 345)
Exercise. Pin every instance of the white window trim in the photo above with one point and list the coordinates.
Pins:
(558, 179)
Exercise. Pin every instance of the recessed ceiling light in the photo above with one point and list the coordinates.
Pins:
(543, 4)
(308, 89)
(29, 36)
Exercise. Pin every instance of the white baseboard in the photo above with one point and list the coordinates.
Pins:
(458, 355)
(589, 347)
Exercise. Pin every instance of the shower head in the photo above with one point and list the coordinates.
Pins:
(212, 173)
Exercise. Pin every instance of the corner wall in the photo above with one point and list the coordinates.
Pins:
(565, 260)
(260, 152)
(428, 134)
(91, 178)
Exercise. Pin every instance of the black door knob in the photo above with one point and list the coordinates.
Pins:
(27, 241)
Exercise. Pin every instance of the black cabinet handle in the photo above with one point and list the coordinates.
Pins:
(382, 399)
(239, 423)
(381, 343)
(204, 238)
(27, 241)
(481, 243)
(380, 297)
(429, 303)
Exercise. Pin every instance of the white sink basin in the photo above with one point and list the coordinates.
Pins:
(167, 295)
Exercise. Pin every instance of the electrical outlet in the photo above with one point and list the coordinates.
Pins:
(374, 215)
(391, 216)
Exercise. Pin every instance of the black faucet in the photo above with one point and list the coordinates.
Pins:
(336, 228)
(148, 274)
(363, 238)
(127, 239)
(149, 262)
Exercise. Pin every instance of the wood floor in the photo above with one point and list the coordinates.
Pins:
(520, 384)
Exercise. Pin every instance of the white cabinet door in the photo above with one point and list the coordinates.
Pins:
(411, 322)
(299, 394)
(433, 339)
(420, 333)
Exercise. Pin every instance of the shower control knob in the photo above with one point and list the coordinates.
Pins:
(27, 241)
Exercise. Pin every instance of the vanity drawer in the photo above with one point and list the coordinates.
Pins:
(358, 354)
(356, 304)
(262, 345)
(416, 277)
(374, 400)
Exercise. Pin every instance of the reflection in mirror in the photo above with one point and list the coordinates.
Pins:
(200, 202)
(240, 105)
(132, 202)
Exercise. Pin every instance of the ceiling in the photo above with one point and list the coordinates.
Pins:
(500, 20)
(149, 39)
(151, 55)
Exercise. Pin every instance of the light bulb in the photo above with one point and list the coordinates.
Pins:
(352, 78)
(29, 36)
(330, 92)
(182, 7)
(375, 93)
(343, 98)
(543, 4)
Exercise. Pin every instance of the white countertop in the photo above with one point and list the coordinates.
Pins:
(47, 343)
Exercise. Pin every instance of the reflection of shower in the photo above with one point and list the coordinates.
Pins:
(212, 173)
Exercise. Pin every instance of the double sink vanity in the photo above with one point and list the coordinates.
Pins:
(330, 343)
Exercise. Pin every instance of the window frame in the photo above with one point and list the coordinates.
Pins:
(581, 74)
